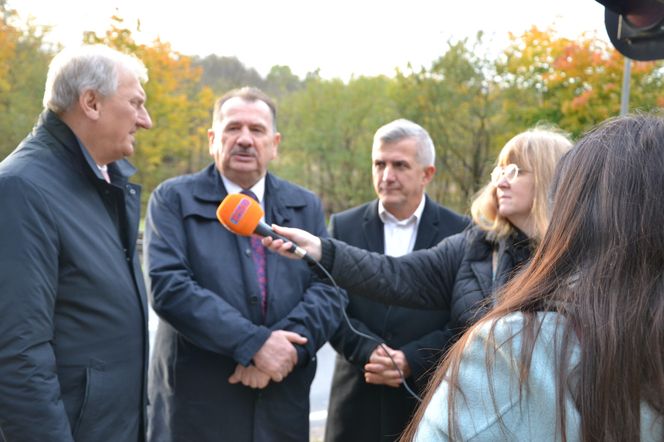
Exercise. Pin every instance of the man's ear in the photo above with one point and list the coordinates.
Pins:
(277, 142)
(89, 101)
(429, 172)
(211, 135)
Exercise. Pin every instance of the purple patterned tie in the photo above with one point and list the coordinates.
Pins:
(258, 256)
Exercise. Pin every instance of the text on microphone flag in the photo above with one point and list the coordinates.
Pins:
(240, 211)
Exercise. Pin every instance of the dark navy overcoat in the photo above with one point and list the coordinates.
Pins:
(73, 327)
(205, 290)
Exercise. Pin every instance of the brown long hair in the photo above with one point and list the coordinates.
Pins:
(600, 265)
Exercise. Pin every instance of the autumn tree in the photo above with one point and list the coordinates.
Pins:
(575, 83)
(179, 105)
(24, 59)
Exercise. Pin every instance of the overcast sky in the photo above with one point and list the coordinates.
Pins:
(340, 37)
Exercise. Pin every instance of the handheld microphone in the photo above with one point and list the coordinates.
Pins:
(242, 215)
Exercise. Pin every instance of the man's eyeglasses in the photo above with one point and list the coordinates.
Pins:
(509, 172)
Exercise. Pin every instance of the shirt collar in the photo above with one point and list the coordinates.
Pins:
(387, 217)
(258, 188)
(88, 158)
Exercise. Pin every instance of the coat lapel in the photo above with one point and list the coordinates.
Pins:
(279, 204)
(131, 198)
(374, 237)
(427, 228)
(208, 194)
(372, 226)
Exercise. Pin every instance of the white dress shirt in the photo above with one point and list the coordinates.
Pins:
(258, 189)
(400, 235)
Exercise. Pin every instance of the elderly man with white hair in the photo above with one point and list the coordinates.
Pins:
(73, 335)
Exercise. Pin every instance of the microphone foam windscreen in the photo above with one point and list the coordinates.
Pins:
(240, 214)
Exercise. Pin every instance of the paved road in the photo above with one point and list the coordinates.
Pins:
(320, 391)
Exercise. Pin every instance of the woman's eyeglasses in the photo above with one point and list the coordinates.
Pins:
(509, 172)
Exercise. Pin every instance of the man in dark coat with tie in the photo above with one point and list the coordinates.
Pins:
(73, 333)
(368, 400)
(235, 351)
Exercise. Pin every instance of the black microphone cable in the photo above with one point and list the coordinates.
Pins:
(364, 335)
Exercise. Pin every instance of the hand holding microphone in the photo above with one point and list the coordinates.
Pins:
(286, 237)
(242, 215)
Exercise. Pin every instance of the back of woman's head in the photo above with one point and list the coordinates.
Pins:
(608, 209)
(602, 262)
(536, 150)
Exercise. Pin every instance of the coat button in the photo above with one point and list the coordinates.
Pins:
(253, 299)
(247, 251)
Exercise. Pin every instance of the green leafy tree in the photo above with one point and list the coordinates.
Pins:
(222, 74)
(281, 81)
(328, 130)
(455, 102)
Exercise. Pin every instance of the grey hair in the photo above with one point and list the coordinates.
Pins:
(401, 129)
(88, 67)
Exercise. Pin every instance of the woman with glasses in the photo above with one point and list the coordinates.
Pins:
(462, 272)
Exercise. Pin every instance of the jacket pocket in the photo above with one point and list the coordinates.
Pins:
(86, 416)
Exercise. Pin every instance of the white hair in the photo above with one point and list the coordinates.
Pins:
(401, 129)
(87, 67)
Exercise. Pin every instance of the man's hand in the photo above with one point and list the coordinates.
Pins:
(380, 368)
(302, 238)
(278, 356)
(249, 376)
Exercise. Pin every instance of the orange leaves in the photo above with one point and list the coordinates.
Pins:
(581, 100)
(576, 82)
(180, 107)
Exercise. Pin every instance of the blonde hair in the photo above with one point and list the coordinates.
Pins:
(537, 150)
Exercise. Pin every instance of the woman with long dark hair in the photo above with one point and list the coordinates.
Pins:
(574, 347)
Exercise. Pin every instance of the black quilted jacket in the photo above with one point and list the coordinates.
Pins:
(455, 275)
